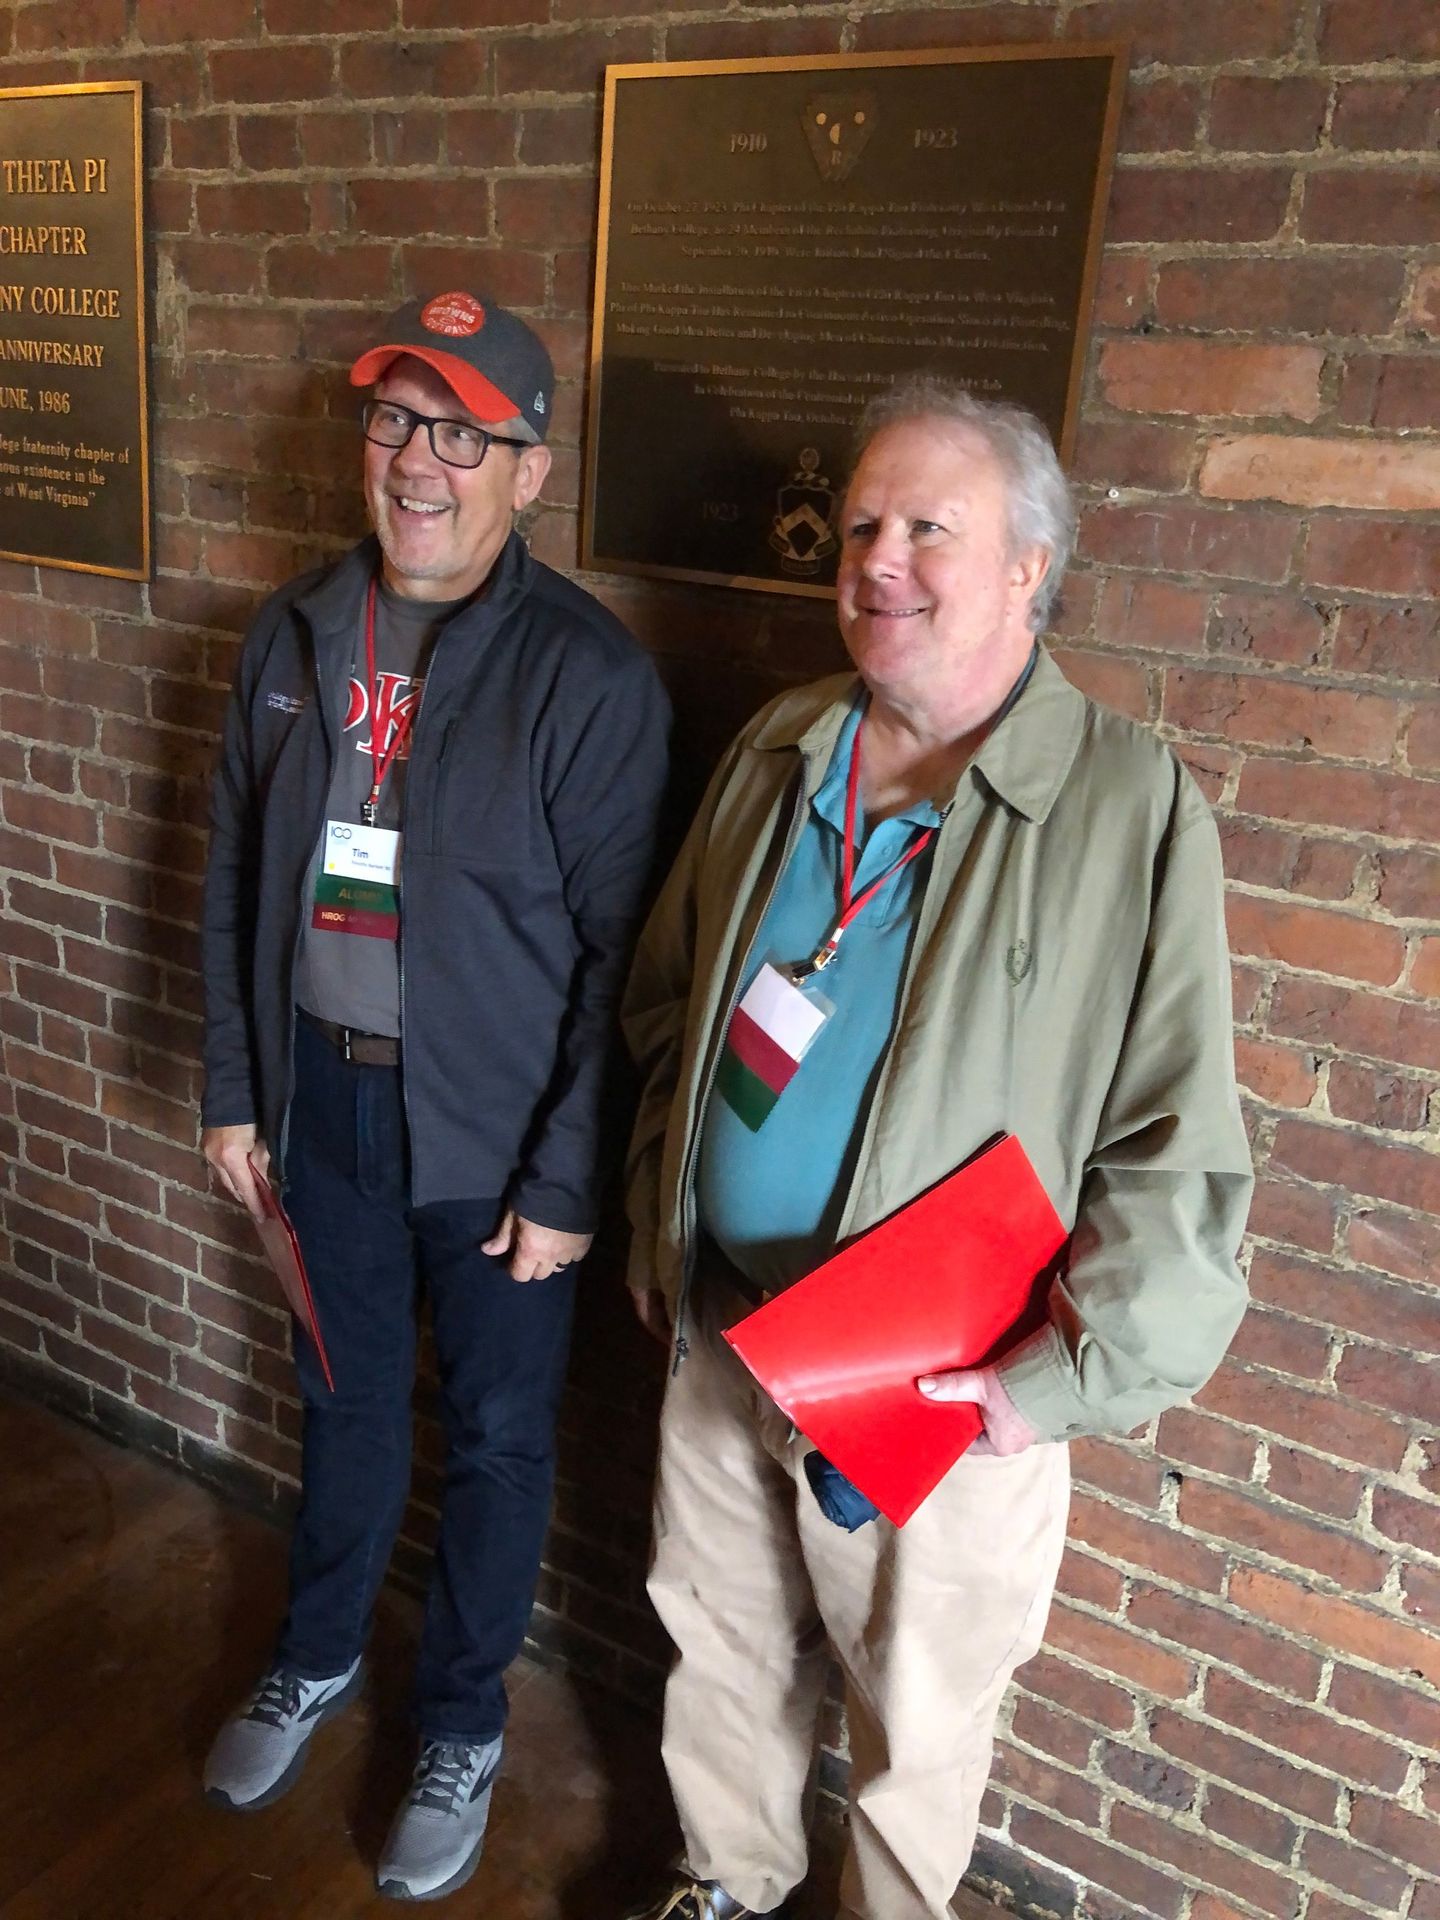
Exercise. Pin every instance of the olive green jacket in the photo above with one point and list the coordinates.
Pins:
(1068, 982)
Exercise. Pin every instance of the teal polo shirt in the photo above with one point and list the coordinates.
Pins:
(772, 1200)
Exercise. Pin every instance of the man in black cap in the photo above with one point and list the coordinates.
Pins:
(431, 826)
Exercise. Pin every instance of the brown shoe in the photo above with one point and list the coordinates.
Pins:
(687, 1898)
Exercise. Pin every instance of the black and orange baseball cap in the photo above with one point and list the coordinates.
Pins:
(496, 365)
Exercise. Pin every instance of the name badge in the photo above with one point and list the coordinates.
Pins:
(361, 853)
(355, 889)
(770, 1033)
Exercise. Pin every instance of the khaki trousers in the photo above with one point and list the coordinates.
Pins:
(756, 1588)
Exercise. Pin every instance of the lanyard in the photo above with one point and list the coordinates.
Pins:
(850, 907)
(380, 761)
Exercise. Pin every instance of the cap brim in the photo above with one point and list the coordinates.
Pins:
(482, 397)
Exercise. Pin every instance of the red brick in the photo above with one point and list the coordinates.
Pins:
(1396, 1244)
(1409, 883)
(744, 39)
(1054, 1733)
(63, 26)
(1122, 297)
(1195, 377)
(1255, 1526)
(1148, 1775)
(1198, 1858)
(1338, 1624)
(1395, 1709)
(1290, 295)
(1252, 114)
(1215, 1445)
(98, 1368)
(1151, 1546)
(1304, 1481)
(1079, 1692)
(338, 139)
(1134, 453)
(1383, 476)
(1338, 1156)
(270, 73)
(1422, 742)
(1267, 711)
(572, 62)
(336, 16)
(1401, 1316)
(268, 207)
(1120, 684)
(545, 211)
(1316, 1420)
(1109, 1466)
(131, 1348)
(1354, 797)
(399, 207)
(1422, 308)
(1260, 855)
(1360, 30)
(1238, 542)
(177, 1408)
(1268, 626)
(1387, 206)
(1378, 1099)
(1161, 115)
(1187, 203)
(1216, 1635)
(1294, 1729)
(453, 14)
(1021, 1773)
(554, 137)
(1172, 34)
(1404, 1836)
(1394, 393)
(1409, 1387)
(1381, 1884)
(1153, 1892)
(1309, 937)
(267, 142)
(1281, 1344)
(1152, 614)
(389, 68)
(1091, 1582)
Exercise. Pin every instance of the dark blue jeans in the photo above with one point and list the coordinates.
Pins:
(500, 1348)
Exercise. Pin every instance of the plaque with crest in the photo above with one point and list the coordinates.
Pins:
(782, 239)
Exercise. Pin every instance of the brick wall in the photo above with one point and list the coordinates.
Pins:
(1237, 1713)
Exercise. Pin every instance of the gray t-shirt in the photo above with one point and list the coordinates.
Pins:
(349, 968)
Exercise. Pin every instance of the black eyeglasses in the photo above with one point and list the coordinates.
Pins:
(455, 442)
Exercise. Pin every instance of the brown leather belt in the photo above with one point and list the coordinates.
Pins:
(361, 1049)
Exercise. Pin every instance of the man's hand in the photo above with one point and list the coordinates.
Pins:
(1007, 1430)
(653, 1311)
(228, 1150)
(534, 1252)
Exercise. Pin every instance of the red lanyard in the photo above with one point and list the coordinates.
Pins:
(850, 907)
(380, 761)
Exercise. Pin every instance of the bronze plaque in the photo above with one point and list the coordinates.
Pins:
(781, 239)
(74, 446)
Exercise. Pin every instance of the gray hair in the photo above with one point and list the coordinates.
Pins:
(1040, 507)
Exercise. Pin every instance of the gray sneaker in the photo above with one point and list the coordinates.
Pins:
(434, 1844)
(259, 1752)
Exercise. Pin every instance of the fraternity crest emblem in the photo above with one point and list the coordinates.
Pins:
(801, 532)
(838, 127)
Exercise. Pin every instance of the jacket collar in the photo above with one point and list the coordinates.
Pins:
(1024, 761)
(330, 604)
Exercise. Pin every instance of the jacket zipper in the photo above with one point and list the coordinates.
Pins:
(687, 1177)
(320, 702)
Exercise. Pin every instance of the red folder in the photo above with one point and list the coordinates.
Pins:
(954, 1279)
(282, 1249)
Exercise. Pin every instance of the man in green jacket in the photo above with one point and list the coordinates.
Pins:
(1015, 900)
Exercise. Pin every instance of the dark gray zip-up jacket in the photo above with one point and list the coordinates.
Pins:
(536, 768)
